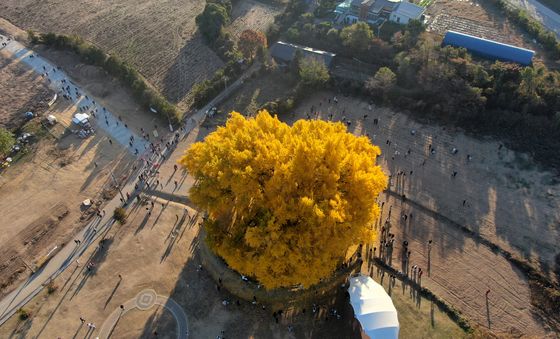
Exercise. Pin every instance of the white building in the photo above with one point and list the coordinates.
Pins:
(405, 12)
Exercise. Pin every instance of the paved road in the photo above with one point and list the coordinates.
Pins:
(546, 16)
(68, 255)
(59, 81)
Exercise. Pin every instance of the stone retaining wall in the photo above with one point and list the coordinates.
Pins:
(246, 290)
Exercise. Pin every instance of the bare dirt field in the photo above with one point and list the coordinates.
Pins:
(40, 195)
(157, 249)
(159, 38)
(498, 194)
(22, 91)
(251, 14)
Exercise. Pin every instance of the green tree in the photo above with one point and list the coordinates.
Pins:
(357, 36)
(284, 203)
(382, 82)
(7, 140)
(211, 21)
(292, 34)
(313, 72)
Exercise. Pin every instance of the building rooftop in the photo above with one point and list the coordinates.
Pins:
(381, 4)
(286, 52)
(409, 10)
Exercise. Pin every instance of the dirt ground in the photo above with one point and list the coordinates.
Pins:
(159, 38)
(498, 194)
(158, 251)
(22, 91)
(251, 14)
(55, 172)
(58, 174)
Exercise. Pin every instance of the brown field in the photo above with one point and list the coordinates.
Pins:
(251, 14)
(22, 90)
(40, 195)
(507, 199)
(158, 37)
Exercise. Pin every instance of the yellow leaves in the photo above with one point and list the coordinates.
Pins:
(285, 203)
(306, 201)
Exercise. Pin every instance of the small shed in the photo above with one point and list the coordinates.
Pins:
(285, 52)
(489, 48)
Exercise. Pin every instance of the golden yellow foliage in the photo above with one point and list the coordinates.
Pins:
(285, 203)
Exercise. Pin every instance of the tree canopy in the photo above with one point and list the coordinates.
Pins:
(284, 202)
(357, 36)
(250, 41)
(211, 21)
(313, 72)
(383, 81)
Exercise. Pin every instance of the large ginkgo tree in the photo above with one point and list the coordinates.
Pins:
(284, 203)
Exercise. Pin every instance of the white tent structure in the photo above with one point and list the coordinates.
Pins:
(80, 118)
(373, 308)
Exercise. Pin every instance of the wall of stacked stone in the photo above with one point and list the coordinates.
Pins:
(246, 290)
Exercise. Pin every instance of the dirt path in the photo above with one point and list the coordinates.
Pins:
(507, 201)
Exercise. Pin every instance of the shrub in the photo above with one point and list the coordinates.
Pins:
(119, 214)
(23, 314)
(33, 38)
(52, 287)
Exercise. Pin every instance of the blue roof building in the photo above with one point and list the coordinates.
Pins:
(489, 48)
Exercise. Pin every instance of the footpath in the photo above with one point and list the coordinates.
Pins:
(100, 225)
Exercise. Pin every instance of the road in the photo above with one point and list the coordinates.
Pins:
(61, 83)
(71, 252)
(546, 16)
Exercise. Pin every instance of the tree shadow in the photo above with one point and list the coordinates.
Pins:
(112, 293)
(207, 316)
